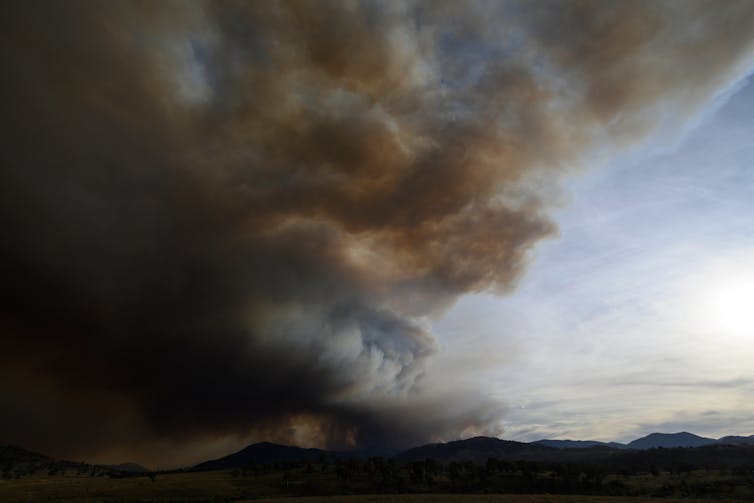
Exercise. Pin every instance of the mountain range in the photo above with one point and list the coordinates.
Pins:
(267, 453)
(654, 440)
(579, 444)
(477, 449)
(15, 461)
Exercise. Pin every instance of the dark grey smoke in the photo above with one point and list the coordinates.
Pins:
(236, 219)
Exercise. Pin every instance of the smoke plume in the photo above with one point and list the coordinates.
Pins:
(237, 220)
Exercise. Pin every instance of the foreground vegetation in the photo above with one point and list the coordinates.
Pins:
(478, 498)
(385, 481)
(223, 487)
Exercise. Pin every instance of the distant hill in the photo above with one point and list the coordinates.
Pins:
(127, 468)
(17, 460)
(736, 440)
(670, 440)
(266, 453)
(480, 449)
(477, 449)
(579, 444)
(678, 447)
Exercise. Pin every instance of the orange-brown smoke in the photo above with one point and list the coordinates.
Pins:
(237, 219)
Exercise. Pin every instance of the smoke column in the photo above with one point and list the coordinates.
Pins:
(237, 220)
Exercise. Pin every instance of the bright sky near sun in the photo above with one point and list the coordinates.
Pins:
(639, 316)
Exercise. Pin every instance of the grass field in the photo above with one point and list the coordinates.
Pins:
(223, 487)
(171, 488)
(480, 498)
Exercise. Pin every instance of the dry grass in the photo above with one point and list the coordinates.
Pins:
(480, 498)
(223, 487)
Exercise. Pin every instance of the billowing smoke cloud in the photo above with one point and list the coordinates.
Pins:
(237, 219)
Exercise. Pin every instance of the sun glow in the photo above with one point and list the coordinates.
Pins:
(723, 300)
(731, 305)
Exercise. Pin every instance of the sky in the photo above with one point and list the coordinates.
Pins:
(360, 224)
(637, 318)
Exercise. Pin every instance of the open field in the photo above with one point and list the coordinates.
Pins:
(220, 486)
(173, 488)
(480, 498)
(180, 489)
